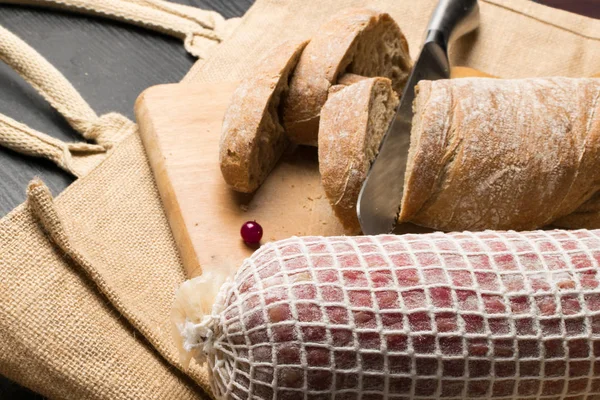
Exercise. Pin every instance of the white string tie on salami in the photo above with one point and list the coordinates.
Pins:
(200, 334)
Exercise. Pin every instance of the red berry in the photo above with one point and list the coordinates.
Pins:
(251, 232)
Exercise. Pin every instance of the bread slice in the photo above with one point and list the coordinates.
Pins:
(252, 137)
(357, 41)
(353, 122)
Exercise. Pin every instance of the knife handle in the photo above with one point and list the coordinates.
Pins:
(452, 19)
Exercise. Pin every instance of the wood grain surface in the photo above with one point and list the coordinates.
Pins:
(110, 63)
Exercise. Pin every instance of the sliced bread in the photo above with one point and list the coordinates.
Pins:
(357, 41)
(353, 121)
(252, 136)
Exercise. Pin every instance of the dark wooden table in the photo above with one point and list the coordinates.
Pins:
(132, 60)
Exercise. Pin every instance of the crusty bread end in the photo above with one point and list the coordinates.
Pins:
(253, 138)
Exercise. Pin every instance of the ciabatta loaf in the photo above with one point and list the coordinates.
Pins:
(358, 41)
(503, 154)
(252, 138)
(353, 122)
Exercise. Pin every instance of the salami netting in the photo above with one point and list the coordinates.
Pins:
(499, 315)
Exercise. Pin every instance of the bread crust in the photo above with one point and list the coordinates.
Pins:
(587, 216)
(502, 154)
(349, 138)
(353, 41)
(252, 137)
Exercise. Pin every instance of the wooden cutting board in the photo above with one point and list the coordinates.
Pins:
(180, 127)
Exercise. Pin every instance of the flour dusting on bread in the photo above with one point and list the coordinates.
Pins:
(502, 154)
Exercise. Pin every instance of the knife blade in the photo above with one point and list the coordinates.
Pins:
(380, 196)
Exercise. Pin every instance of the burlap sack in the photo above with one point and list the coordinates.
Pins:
(88, 277)
(516, 38)
(71, 328)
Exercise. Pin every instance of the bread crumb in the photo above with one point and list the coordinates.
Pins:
(244, 207)
(310, 198)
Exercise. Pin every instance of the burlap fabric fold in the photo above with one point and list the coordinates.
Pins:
(75, 322)
(89, 277)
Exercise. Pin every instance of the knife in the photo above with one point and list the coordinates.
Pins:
(380, 196)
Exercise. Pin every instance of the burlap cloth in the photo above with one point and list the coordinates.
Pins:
(88, 278)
